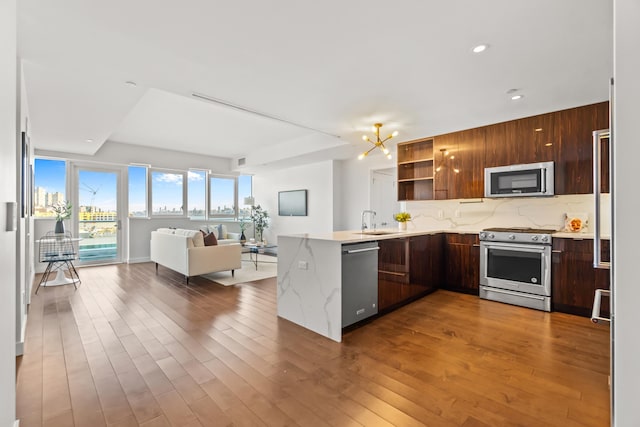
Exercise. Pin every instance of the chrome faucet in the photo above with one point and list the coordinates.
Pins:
(371, 218)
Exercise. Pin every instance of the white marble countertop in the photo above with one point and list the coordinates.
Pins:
(579, 235)
(355, 236)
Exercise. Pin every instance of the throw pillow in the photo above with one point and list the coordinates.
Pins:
(210, 239)
(221, 232)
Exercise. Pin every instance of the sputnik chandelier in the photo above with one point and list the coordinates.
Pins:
(378, 143)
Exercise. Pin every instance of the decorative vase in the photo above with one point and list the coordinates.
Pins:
(243, 238)
(402, 226)
(59, 227)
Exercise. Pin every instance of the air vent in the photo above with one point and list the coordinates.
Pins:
(242, 161)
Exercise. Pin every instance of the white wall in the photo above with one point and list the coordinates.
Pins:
(317, 178)
(24, 243)
(8, 145)
(626, 233)
(356, 195)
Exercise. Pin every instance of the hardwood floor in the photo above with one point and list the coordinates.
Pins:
(130, 348)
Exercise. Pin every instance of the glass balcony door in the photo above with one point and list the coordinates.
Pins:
(97, 213)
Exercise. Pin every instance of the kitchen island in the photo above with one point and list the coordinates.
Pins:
(310, 276)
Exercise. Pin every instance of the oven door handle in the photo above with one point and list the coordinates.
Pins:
(517, 294)
(512, 246)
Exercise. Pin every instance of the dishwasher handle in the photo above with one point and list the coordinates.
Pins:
(356, 251)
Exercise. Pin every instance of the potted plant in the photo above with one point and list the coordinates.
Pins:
(244, 224)
(402, 219)
(260, 219)
(62, 211)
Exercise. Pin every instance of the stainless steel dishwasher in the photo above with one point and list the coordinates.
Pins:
(359, 281)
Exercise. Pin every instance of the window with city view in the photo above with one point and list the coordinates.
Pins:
(222, 196)
(50, 177)
(137, 191)
(167, 193)
(197, 192)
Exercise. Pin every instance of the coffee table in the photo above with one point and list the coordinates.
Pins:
(254, 250)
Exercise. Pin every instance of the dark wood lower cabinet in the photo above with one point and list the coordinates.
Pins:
(573, 278)
(407, 269)
(462, 263)
(393, 272)
(426, 262)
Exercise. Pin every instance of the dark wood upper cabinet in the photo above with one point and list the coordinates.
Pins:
(574, 165)
(528, 140)
(466, 156)
(564, 137)
(415, 170)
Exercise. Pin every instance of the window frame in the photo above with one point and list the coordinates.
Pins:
(207, 173)
(232, 217)
(147, 188)
(185, 208)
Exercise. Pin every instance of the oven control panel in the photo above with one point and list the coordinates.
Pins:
(509, 236)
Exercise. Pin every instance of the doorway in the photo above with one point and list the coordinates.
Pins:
(384, 196)
(97, 216)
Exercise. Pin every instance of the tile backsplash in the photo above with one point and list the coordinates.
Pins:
(476, 214)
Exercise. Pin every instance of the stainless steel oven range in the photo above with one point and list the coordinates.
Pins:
(515, 266)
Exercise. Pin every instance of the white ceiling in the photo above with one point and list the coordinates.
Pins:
(333, 66)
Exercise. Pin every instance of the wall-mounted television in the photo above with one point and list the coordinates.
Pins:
(292, 203)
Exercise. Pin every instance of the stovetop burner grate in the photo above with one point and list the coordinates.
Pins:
(520, 230)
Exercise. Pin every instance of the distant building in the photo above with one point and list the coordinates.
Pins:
(42, 201)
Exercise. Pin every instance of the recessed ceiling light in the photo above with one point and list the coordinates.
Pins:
(89, 140)
(516, 97)
(480, 48)
(130, 83)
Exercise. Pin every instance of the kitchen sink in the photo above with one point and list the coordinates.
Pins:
(377, 233)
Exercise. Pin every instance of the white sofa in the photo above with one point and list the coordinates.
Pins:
(184, 251)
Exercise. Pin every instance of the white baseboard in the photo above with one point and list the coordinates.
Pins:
(20, 344)
(138, 260)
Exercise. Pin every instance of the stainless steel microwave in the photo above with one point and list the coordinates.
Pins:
(527, 180)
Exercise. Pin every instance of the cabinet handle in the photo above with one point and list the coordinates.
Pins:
(476, 246)
(356, 251)
(393, 273)
(598, 136)
(595, 313)
(556, 251)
